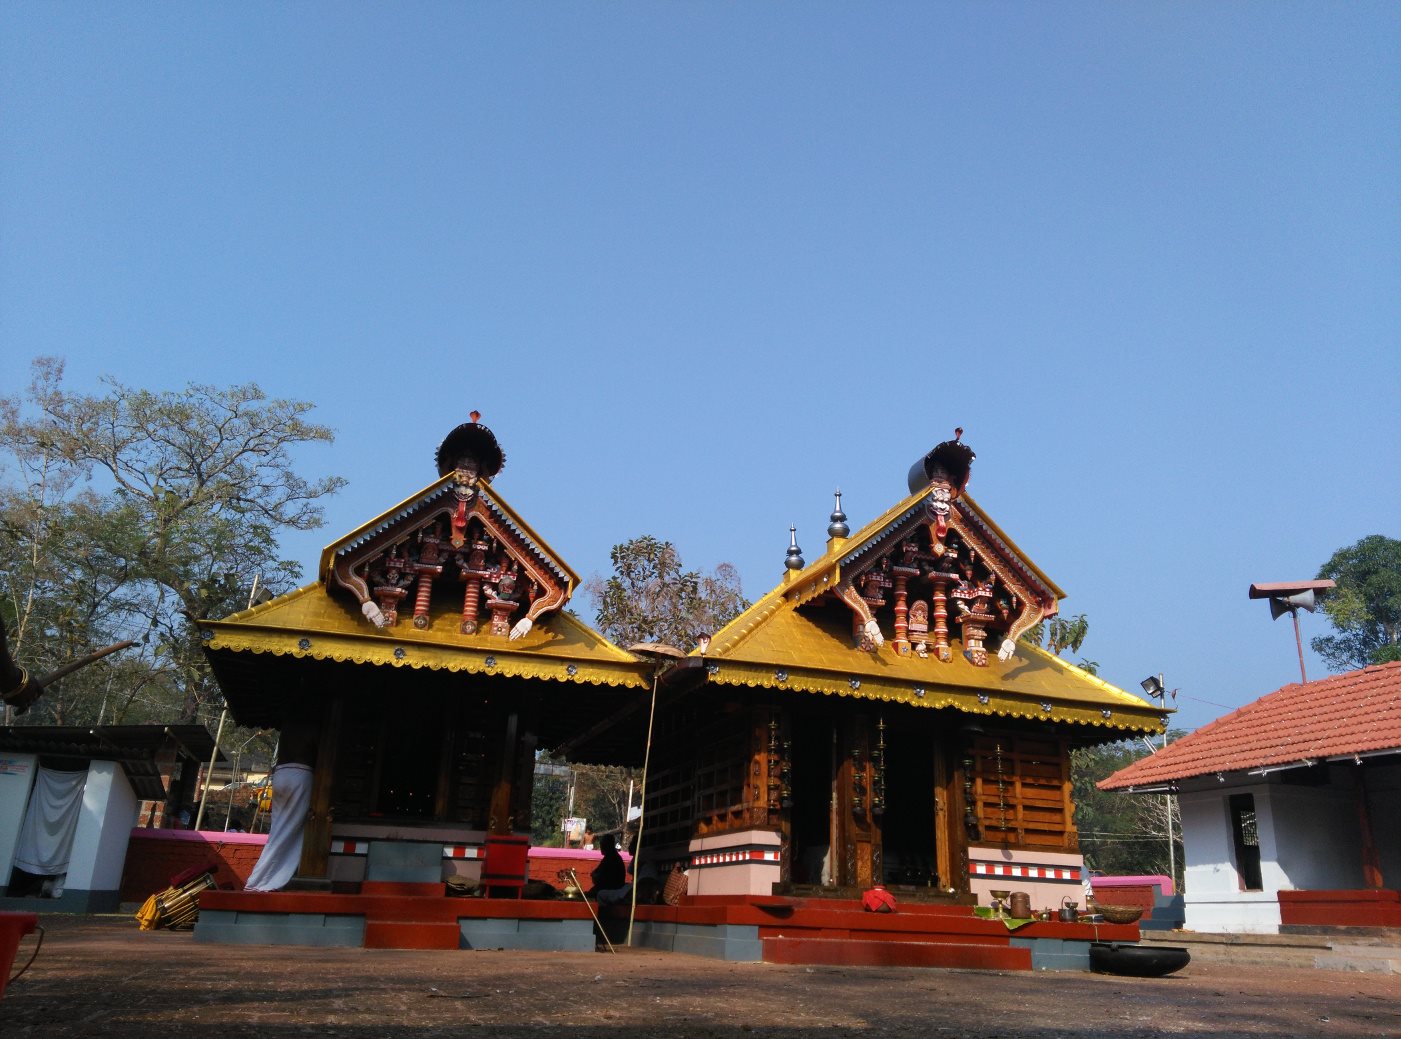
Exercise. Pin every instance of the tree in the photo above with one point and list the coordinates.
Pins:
(1121, 833)
(1365, 607)
(1058, 634)
(601, 794)
(131, 513)
(650, 598)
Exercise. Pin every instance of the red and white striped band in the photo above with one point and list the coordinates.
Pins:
(450, 851)
(734, 857)
(1002, 869)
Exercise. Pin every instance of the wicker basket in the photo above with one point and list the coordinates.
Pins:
(1118, 914)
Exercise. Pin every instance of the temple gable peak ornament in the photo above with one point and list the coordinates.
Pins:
(455, 540)
(941, 570)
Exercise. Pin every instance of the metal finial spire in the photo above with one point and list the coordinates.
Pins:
(794, 561)
(837, 528)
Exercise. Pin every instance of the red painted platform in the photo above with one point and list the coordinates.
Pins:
(833, 952)
(1379, 907)
(791, 930)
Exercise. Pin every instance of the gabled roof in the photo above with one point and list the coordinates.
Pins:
(438, 497)
(825, 572)
(784, 642)
(1339, 717)
(311, 624)
(256, 653)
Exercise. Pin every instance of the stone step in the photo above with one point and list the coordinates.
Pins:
(405, 862)
(1308, 951)
(1364, 959)
(846, 952)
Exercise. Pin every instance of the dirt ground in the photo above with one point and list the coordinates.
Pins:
(101, 977)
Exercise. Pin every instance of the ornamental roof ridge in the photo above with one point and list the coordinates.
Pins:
(440, 488)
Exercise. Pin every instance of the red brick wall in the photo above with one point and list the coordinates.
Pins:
(545, 864)
(154, 856)
(1130, 891)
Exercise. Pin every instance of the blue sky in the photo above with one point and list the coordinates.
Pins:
(700, 264)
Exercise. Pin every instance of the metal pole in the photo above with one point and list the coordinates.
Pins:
(642, 819)
(213, 757)
(1172, 845)
(1299, 643)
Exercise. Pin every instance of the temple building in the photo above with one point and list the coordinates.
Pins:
(433, 656)
(875, 718)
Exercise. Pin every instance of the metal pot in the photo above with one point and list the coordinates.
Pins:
(1069, 911)
(1021, 905)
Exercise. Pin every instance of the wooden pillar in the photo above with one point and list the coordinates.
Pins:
(945, 818)
(316, 841)
(1371, 857)
(449, 722)
(902, 608)
(527, 740)
(502, 815)
(941, 620)
(857, 850)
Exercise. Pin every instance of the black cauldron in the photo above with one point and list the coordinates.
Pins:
(1139, 961)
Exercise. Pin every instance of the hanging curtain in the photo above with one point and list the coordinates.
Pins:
(46, 838)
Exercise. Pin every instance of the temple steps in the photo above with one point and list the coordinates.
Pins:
(847, 952)
(776, 929)
(400, 934)
(1370, 953)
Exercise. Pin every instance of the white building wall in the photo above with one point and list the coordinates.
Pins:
(17, 773)
(1309, 840)
(1214, 900)
(1316, 830)
(110, 808)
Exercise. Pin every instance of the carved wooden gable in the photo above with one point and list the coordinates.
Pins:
(937, 572)
(457, 542)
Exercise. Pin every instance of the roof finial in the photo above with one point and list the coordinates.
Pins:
(949, 463)
(794, 560)
(471, 446)
(838, 528)
(474, 415)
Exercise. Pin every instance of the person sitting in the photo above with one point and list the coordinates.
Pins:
(610, 876)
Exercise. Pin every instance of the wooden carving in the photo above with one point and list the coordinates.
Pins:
(458, 546)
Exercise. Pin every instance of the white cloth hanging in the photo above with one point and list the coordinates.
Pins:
(291, 801)
(50, 821)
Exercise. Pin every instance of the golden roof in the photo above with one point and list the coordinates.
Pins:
(311, 624)
(323, 621)
(789, 640)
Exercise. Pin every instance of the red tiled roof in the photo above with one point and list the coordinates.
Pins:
(1354, 713)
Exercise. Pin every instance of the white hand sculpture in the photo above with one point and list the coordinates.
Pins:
(372, 614)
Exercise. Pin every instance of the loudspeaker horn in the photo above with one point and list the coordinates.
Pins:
(1289, 603)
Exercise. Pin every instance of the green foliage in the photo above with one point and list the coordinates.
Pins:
(1121, 833)
(548, 800)
(127, 515)
(650, 598)
(1059, 634)
(600, 795)
(1365, 608)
